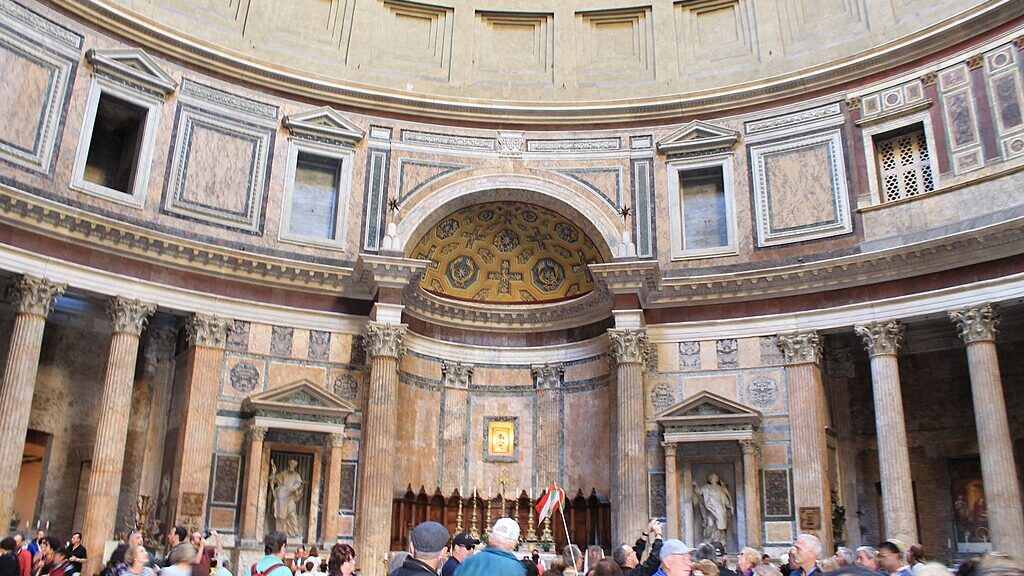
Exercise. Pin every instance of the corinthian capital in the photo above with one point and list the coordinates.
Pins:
(629, 345)
(36, 296)
(208, 331)
(129, 316)
(547, 376)
(881, 338)
(456, 374)
(976, 324)
(801, 348)
(384, 339)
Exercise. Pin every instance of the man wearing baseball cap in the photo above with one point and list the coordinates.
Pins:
(497, 559)
(676, 559)
(428, 540)
(463, 546)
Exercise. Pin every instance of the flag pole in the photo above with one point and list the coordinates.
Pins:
(568, 538)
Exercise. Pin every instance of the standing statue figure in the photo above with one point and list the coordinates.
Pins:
(716, 508)
(286, 485)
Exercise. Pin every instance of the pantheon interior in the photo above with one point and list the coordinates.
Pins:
(336, 267)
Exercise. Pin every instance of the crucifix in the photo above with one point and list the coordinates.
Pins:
(505, 278)
(503, 480)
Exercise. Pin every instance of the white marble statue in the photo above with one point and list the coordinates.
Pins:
(286, 486)
(716, 508)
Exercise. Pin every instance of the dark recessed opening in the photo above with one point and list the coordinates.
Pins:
(315, 196)
(114, 147)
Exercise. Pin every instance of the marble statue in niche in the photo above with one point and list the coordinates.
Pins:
(716, 508)
(286, 486)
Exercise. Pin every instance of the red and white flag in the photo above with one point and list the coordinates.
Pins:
(549, 503)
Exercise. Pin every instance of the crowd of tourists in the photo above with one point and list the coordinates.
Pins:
(435, 552)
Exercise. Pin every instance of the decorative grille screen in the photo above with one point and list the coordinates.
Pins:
(904, 165)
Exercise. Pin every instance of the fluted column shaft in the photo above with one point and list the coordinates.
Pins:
(33, 298)
(977, 327)
(752, 491)
(673, 530)
(206, 335)
(128, 317)
(807, 423)
(630, 350)
(332, 489)
(883, 340)
(253, 482)
(376, 450)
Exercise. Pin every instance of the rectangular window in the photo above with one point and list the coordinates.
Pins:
(904, 163)
(704, 209)
(315, 196)
(115, 144)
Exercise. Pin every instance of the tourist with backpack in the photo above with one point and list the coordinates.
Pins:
(273, 563)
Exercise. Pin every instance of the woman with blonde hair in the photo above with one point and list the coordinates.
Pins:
(747, 561)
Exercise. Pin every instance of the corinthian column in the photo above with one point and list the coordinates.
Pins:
(128, 318)
(376, 450)
(33, 298)
(977, 327)
(751, 488)
(254, 481)
(630, 350)
(673, 529)
(206, 336)
(883, 340)
(807, 418)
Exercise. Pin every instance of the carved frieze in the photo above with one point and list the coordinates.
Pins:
(208, 331)
(689, 355)
(384, 339)
(728, 353)
(35, 296)
(801, 348)
(129, 316)
(976, 324)
(881, 338)
(629, 346)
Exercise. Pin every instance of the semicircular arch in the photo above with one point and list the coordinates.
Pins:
(430, 205)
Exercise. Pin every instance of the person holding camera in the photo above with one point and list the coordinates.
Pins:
(629, 558)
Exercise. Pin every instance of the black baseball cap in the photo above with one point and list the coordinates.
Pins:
(465, 540)
(719, 549)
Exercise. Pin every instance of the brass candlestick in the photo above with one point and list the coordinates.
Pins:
(516, 514)
(546, 536)
(487, 519)
(458, 518)
(473, 528)
(531, 534)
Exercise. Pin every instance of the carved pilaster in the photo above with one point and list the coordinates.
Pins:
(456, 374)
(976, 324)
(801, 348)
(384, 339)
(208, 331)
(629, 346)
(35, 296)
(129, 316)
(881, 338)
(547, 376)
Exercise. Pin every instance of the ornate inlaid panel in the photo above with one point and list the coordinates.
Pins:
(507, 253)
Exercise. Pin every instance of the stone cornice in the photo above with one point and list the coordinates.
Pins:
(930, 40)
(976, 324)
(377, 272)
(70, 224)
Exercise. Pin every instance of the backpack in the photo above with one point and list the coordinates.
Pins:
(254, 572)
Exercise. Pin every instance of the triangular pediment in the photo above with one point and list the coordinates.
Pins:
(303, 397)
(132, 66)
(698, 136)
(324, 124)
(708, 408)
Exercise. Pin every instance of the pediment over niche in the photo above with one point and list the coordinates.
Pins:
(697, 137)
(134, 67)
(708, 409)
(324, 124)
(299, 400)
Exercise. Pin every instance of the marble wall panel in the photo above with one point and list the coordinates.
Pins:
(300, 344)
(588, 447)
(725, 386)
(416, 437)
(284, 373)
(709, 355)
(259, 338)
(749, 352)
(487, 376)
(230, 440)
(584, 370)
(482, 474)
(341, 348)
(764, 390)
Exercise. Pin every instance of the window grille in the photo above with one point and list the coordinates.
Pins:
(904, 165)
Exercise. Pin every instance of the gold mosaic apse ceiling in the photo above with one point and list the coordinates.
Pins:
(507, 253)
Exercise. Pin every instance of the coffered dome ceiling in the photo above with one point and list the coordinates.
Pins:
(507, 253)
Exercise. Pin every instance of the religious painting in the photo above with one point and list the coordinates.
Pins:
(970, 511)
(500, 438)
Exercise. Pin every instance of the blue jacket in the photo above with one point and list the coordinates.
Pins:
(491, 562)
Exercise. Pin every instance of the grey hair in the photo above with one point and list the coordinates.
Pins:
(494, 538)
(396, 560)
(570, 554)
(766, 570)
(868, 551)
(813, 540)
(846, 555)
